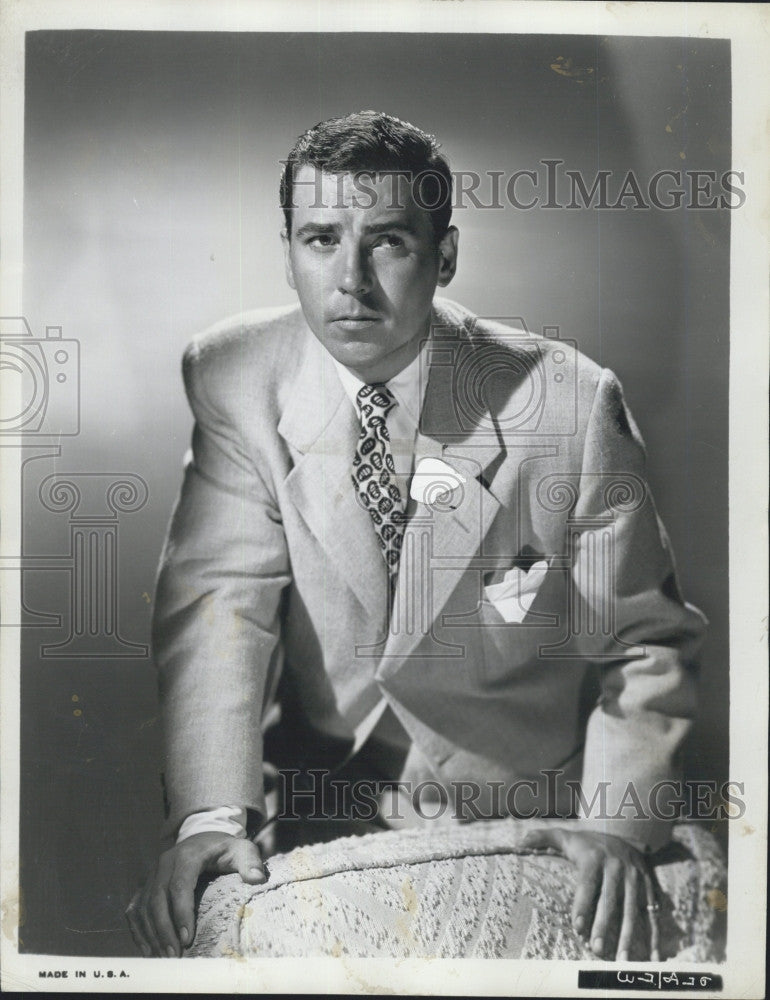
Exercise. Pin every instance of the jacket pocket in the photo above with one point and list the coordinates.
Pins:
(509, 646)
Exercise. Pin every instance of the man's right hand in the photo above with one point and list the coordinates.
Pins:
(161, 915)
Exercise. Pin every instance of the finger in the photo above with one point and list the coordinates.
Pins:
(633, 901)
(160, 915)
(138, 937)
(653, 907)
(536, 839)
(242, 856)
(135, 927)
(248, 862)
(589, 882)
(153, 908)
(145, 924)
(181, 896)
(606, 918)
(542, 840)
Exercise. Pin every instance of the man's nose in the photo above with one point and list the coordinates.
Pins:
(355, 276)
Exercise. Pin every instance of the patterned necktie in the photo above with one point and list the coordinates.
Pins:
(374, 472)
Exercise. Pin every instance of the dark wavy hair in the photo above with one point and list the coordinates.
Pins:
(373, 142)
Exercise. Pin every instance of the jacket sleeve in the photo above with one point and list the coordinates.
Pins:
(631, 619)
(216, 638)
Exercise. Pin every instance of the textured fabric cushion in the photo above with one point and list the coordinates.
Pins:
(458, 892)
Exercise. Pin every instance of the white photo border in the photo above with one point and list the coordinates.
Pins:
(748, 28)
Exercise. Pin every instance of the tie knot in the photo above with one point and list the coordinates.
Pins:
(374, 401)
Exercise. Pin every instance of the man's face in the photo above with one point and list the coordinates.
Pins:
(365, 263)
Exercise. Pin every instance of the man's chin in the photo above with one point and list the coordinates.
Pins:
(359, 353)
(372, 360)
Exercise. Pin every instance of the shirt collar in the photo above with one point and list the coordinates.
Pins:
(408, 386)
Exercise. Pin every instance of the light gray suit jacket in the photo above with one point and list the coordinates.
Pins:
(271, 571)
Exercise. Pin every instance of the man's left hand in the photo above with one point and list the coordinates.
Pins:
(615, 898)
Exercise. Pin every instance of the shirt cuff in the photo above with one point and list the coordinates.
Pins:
(223, 819)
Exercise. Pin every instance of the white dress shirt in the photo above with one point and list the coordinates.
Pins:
(408, 388)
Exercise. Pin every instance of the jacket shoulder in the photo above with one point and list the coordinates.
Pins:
(264, 343)
(259, 331)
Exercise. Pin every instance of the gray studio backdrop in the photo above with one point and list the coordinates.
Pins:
(151, 168)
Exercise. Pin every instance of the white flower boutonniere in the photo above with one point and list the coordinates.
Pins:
(435, 484)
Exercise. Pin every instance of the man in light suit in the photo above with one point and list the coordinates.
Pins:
(427, 540)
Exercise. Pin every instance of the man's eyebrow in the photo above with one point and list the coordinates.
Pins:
(317, 229)
(389, 227)
(331, 228)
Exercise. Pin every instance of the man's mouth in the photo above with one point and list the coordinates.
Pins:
(356, 320)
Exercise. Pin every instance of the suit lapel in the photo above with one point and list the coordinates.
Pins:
(321, 425)
(439, 543)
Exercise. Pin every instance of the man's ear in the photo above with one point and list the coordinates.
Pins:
(447, 249)
(287, 265)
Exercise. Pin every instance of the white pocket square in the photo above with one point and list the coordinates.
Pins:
(513, 597)
(434, 481)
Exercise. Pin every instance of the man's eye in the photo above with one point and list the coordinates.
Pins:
(322, 240)
(390, 242)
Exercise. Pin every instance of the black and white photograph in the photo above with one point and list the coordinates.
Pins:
(384, 485)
